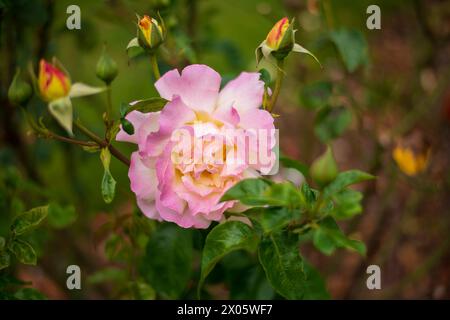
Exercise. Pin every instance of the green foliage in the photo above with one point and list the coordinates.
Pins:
(328, 236)
(23, 251)
(283, 217)
(316, 95)
(147, 105)
(345, 179)
(261, 192)
(29, 294)
(108, 182)
(347, 204)
(167, 264)
(223, 239)
(272, 218)
(287, 271)
(29, 220)
(352, 46)
(5, 259)
(61, 216)
(330, 123)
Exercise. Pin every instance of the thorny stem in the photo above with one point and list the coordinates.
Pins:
(155, 68)
(47, 134)
(278, 83)
(108, 109)
(102, 143)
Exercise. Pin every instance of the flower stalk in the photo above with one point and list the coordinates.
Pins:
(278, 84)
(154, 64)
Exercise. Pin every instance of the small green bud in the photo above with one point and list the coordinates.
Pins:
(106, 68)
(19, 92)
(127, 126)
(324, 169)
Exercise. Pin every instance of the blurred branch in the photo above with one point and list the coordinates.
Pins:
(43, 33)
(10, 27)
(421, 270)
(423, 107)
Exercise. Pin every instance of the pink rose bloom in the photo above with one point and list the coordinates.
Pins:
(191, 153)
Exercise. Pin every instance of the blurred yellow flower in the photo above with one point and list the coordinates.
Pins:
(410, 162)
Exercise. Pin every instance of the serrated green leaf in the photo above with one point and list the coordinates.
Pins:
(261, 192)
(108, 182)
(352, 46)
(309, 195)
(108, 187)
(316, 95)
(328, 237)
(23, 251)
(59, 216)
(147, 105)
(4, 259)
(331, 123)
(167, 264)
(347, 204)
(223, 239)
(287, 271)
(249, 191)
(29, 220)
(272, 218)
(345, 179)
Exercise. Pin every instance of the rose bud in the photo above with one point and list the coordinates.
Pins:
(53, 82)
(324, 169)
(106, 68)
(19, 91)
(150, 34)
(281, 38)
(280, 41)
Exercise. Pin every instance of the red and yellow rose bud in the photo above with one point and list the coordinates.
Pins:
(280, 41)
(410, 162)
(53, 82)
(151, 33)
(277, 34)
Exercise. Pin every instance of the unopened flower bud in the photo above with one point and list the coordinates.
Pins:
(151, 33)
(324, 169)
(19, 91)
(106, 68)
